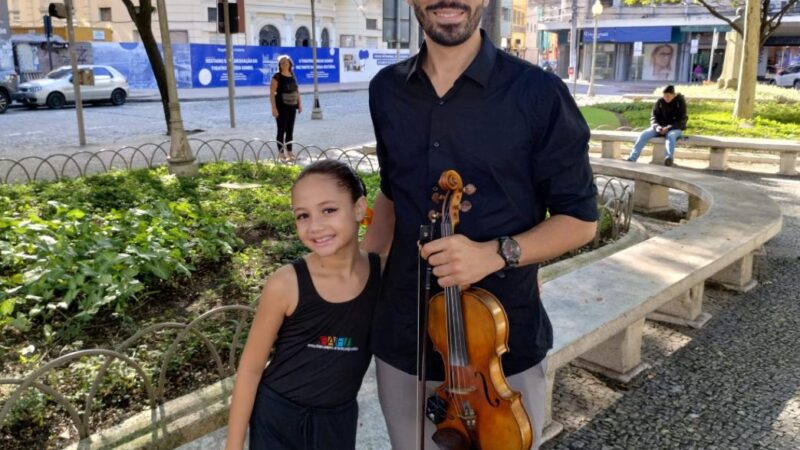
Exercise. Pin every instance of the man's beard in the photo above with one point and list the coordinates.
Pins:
(449, 35)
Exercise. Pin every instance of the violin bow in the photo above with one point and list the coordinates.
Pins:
(423, 297)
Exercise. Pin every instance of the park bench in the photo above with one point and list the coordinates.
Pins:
(720, 148)
(598, 311)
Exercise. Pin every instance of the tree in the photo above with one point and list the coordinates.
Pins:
(719, 9)
(142, 16)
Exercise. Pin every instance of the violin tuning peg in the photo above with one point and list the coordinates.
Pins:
(466, 206)
(433, 216)
(437, 198)
(470, 189)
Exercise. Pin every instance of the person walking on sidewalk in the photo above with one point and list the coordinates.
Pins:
(668, 119)
(286, 103)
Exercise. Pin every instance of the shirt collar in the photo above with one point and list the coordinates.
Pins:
(480, 69)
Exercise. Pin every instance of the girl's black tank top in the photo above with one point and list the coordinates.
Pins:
(322, 349)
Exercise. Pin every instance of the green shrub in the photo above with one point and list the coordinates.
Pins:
(772, 120)
(74, 249)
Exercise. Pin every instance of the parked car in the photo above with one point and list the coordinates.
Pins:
(8, 88)
(55, 90)
(789, 77)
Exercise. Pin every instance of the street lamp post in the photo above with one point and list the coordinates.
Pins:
(316, 113)
(597, 9)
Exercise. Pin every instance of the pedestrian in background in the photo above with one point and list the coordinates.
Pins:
(286, 103)
(668, 120)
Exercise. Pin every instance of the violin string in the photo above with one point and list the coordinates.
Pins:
(454, 382)
(454, 349)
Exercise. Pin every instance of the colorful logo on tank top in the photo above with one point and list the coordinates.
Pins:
(336, 343)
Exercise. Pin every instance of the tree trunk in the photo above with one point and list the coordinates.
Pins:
(144, 24)
(746, 93)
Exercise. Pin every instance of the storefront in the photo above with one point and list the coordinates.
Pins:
(780, 52)
(634, 53)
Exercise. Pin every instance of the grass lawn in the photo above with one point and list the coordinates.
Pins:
(598, 118)
(764, 92)
(772, 120)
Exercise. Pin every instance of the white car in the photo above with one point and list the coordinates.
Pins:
(789, 77)
(106, 84)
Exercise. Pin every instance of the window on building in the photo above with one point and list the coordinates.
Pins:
(212, 15)
(269, 37)
(302, 38)
(326, 39)
(179, 36)
(347, 41)
(372, 24)
(105, 14)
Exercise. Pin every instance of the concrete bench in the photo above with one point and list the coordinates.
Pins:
(654, 97)
(720, 148)
(598, 311)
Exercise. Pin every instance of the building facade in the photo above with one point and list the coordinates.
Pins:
(650, 42)
(284, 23)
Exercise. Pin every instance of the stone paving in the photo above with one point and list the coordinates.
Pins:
(734, 384)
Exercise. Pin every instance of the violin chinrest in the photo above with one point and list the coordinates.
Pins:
(451, 439)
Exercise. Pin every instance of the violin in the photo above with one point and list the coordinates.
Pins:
(475, 408)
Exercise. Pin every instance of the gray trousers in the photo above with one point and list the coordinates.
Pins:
(397, 392)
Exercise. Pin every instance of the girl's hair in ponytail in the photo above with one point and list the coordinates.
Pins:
(344, 175)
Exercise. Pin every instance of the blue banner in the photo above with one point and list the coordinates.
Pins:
(131, 60)
(255, 65)
(629, 34)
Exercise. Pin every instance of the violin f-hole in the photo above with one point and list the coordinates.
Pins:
(496, 401)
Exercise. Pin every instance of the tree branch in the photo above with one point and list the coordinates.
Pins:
(769, 27)
(721, 17)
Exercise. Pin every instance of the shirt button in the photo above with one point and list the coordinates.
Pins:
(436, 144)
(441, 102)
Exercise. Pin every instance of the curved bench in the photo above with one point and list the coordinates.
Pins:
(719, 146)
(598, 311)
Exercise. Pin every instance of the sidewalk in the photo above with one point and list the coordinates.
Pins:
(603, 88)
(204, 94)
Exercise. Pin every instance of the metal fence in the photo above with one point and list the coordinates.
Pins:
(154, 387)
(59, 166)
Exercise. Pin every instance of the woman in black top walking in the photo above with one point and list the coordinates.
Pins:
(318, 314)
(286, 103)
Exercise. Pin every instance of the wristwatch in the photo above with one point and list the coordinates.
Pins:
(510, 251)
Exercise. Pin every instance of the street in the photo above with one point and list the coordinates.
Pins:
(41, 132)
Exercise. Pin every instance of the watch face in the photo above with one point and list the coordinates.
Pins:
(511, 249)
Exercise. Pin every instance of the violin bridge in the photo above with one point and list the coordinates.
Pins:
(460, 390)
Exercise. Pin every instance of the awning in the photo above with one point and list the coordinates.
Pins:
(783, 41)
(629, 34)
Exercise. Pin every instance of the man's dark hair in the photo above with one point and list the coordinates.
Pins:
(669, 90)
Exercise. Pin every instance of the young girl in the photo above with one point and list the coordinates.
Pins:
(286, 103)
(317, 312)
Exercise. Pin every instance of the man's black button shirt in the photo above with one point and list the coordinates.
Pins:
(512, 130)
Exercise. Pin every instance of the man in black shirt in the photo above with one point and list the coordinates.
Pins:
(512, 130)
